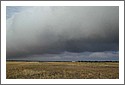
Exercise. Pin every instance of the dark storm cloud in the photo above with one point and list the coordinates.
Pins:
(41, 30)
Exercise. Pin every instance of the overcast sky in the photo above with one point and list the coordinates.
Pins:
(62, 33)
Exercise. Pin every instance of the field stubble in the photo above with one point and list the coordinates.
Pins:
(62, 70)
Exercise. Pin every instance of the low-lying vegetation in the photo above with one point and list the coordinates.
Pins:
(62, 70)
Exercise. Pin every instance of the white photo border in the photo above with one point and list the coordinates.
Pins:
(62, 3)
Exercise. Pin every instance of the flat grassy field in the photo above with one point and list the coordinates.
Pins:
(62, 70)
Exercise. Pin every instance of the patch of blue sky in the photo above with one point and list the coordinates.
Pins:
(11, 10)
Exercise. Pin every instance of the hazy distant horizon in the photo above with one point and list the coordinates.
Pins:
(69, 56)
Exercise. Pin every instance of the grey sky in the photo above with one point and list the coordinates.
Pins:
(54, 30)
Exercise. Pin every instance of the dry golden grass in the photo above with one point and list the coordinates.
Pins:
(62, 70)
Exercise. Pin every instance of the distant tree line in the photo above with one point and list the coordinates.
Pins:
(55, 61)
